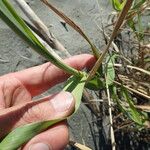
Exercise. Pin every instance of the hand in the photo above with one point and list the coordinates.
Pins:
(17, 108)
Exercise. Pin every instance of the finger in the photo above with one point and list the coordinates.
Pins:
(40, 78)
(55, 138)
(52, 107)
(12, 92)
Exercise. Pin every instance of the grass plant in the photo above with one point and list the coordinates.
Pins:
(103, 76)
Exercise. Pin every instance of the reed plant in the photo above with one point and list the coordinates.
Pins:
(102, 75)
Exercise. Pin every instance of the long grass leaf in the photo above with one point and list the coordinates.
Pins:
(118, 5)
(22, 134)
(110, 70)
(133, 113)
(137, 5)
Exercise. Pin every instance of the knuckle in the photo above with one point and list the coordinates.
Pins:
(33, 114)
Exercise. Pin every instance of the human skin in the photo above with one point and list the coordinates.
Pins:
(17, 107)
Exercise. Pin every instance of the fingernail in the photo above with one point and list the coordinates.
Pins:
(39, 146)
(62, 101)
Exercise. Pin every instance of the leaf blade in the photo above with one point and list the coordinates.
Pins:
(110, 71)
(24, 133)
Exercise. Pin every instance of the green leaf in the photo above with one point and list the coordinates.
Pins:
(118, 6)
(132, 111)
(147, 59)
(75, 85)
(131, 24)
(140, 28)
(115, 97)
(21, 135)
(110, 71)
(138, 4)
(95, 84)
(13, 20)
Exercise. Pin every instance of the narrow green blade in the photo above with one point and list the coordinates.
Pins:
(132, 112)
(75, 85)
(23, 134)
(110, 70)
(118, 5)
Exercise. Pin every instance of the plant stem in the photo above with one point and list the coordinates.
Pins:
(50, 39)
(12, 19)
(115, 31)
(113, 143)
(74, 26)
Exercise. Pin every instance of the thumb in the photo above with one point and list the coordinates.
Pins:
(49, 108)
